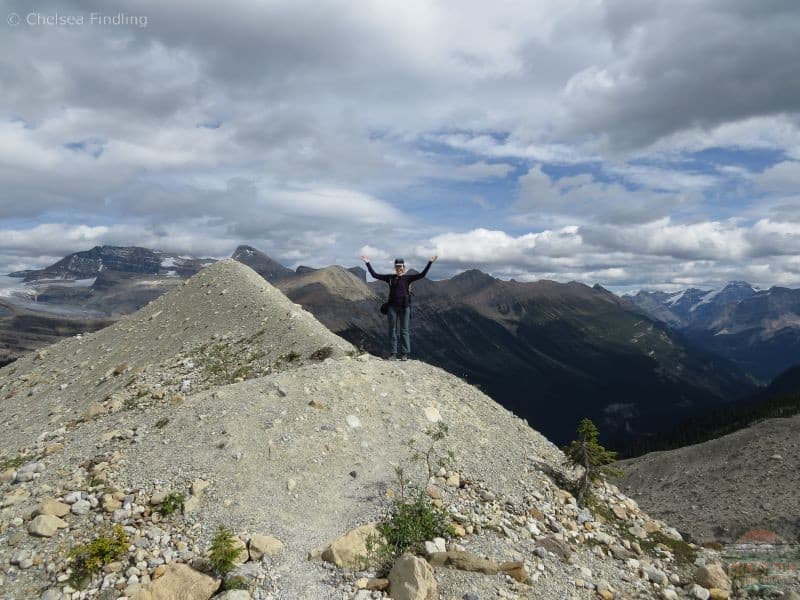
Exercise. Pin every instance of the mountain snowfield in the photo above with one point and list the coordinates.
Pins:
(226, 392)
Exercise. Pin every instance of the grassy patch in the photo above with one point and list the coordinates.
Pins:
(237, 582)
(322, 353)
(290, 357)
(88, 559)
(718, 546)
(171, 503)
(11, 463)
(601, 510)
(683, 553)
(226, 363)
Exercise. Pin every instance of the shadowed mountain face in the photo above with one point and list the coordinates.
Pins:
(551, 352)
(779, 399)
(757, 330)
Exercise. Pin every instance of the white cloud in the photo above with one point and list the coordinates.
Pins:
(497, 247)
(659, 253)
(327, 113)
(783, 177)
(584, 199)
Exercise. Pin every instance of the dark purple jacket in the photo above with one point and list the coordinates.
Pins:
(399, 295)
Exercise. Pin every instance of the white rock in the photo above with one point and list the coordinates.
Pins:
(120, 515)
(264, 544)
(353, 421)
(72, 497)
(699, 592)
(432, 414)
(191, 504)
(411, 578)
(15, 496)
(81, 507)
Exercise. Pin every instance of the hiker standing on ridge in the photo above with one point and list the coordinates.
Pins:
(399, 304)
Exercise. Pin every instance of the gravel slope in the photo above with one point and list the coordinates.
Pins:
(225, 380)
(224, 303)
(722, 488)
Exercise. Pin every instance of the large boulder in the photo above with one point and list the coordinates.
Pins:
(264, 544)
(712, 576)
(463, 561)
(46, 525)
(51, 506)
(411, 578)
(181, 582)
(350, 550)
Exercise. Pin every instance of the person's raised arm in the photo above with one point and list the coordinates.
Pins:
(424, 271)
(372, 271)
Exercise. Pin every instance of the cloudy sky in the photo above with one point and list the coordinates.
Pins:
(633, 144)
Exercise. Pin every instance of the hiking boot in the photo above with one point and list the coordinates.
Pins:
(403, 357)
(392, 357)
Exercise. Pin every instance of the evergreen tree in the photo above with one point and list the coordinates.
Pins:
(587, 452)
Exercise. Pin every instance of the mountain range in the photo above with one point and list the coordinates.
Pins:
(551, 352)
(758, 330)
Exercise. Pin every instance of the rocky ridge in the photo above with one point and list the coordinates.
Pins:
(226, 393)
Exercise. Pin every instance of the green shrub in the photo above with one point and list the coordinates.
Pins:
(412, 522)
(410, 525)
(587, 452)
(290, 357)
(225, 363)
(322, 353)
(436, 433)
(171, 503)
(90, 558)
(682, 551)
(223, 551)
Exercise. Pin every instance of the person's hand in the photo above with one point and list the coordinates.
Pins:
(365, 259)
(433, 258)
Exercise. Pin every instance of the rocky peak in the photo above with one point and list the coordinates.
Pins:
(87, 264)
(262, 264)
(337, 282)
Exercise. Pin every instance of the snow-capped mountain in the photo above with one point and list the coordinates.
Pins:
(123, 259)
(757, 329)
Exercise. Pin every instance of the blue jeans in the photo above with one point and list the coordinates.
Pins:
(393, 316)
